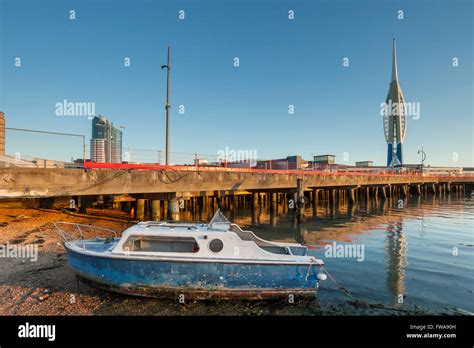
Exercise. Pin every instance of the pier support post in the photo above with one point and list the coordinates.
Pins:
(200, 206)
(174, 209)
(155, 210)
(350, 195)
(383, 192)
(376, 193)
(418, 189)
(299, 202)
(231, 204)
(273, 205)
(315, 201)
(332, 196)
(218, 200)
(254, 200)
(403, 191)
(86, 202)
(140, 212)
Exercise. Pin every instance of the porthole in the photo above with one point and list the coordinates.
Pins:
(216, 245)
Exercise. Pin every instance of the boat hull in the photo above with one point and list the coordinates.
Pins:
(195, 280)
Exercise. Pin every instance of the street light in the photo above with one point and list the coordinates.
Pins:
(168, 67)
(423, 158)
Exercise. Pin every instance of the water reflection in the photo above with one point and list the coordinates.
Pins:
(432, 225)
(396, 248)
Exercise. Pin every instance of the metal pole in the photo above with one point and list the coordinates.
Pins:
(54, 133)
(168, 67)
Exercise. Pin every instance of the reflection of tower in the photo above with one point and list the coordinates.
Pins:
(395, 118)
(301, 232)
(396, 248)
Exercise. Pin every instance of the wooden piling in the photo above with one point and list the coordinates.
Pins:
(155, 210)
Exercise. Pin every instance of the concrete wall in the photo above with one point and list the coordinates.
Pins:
(37, 182)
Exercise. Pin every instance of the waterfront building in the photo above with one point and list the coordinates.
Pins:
(98, 152)
(324, 159)
(364, 164)
(290, 162)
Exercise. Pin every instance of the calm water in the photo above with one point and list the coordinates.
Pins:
(423, 251)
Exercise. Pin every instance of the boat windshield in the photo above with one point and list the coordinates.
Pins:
(219, 221)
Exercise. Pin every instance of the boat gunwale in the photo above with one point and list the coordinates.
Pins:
(144, 257)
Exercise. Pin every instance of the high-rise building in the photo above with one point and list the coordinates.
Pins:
(395, 117)
(2, 134)
(98, 153)
(116, 145)
(106, 141)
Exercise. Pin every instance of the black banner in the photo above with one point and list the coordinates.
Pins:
(423, 330)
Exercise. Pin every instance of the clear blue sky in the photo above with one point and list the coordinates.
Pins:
(282, 62)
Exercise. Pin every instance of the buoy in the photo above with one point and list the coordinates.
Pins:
(322, 276)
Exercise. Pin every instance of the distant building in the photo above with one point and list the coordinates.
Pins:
(324, 159)
(364, 164)
(323, 163)
(2, 134)
(240, 164)
(106, 142)
(98, 152)
(290, 162)
(429, 170)
(201, 162)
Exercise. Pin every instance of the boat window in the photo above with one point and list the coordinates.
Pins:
(161, 244)
(216, 245)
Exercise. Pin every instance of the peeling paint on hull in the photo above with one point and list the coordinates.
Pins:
(203, 294)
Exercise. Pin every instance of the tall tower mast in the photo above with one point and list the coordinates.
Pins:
(395, 118)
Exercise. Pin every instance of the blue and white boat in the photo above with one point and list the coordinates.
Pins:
(199, 261)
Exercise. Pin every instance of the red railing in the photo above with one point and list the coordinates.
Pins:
(203, 168)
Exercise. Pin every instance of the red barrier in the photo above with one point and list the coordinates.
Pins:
(135, 166)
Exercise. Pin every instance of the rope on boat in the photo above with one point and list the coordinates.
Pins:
(340, 287)
(307, 273)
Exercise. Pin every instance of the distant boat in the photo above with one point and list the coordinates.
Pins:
(218, 260)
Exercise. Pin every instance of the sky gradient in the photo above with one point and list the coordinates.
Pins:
(282, 62)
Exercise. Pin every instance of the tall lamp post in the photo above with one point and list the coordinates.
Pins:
(168, 67)
(423, 158)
